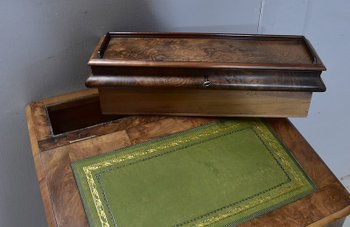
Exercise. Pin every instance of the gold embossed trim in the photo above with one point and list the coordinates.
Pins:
(298, 180)
(178, 141)
(262, 131)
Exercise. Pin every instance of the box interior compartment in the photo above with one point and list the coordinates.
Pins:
(77, 114)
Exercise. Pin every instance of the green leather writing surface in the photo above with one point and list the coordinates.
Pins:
(219, 174)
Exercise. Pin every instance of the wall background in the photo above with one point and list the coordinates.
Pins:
(45, 45)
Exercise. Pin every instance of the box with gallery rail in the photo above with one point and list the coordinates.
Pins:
(201, 74)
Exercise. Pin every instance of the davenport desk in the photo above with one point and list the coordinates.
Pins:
(68, 128)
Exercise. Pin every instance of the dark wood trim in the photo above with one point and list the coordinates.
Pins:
(106, 62)
(262, 81)
(104, 45)
(204, 35)
(313, 53)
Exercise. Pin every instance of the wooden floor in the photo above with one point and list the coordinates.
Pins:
(53, 151)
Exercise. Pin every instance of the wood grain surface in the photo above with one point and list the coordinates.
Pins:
(223, 80)
(198, 102)
(200, 50)
(53, 154)
(181, 65)
(207, 50)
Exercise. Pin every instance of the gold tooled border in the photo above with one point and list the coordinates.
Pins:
(278, 149)
(263, 131)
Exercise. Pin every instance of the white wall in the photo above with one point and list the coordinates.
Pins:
(45, 45)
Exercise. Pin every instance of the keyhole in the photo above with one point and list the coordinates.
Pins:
(206, 82)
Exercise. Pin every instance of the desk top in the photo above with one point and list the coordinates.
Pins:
(55, 145)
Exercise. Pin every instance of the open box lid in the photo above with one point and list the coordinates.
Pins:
(227, 61)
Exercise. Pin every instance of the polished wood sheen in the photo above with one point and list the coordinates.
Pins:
(219, 80)
(214, 50)
(197, 102)
(53, 154)
(207, 64)
(205, 50)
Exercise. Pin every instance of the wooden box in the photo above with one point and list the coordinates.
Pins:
(199, 74)
(68, 128)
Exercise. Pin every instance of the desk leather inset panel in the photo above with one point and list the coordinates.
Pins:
(222, 173)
